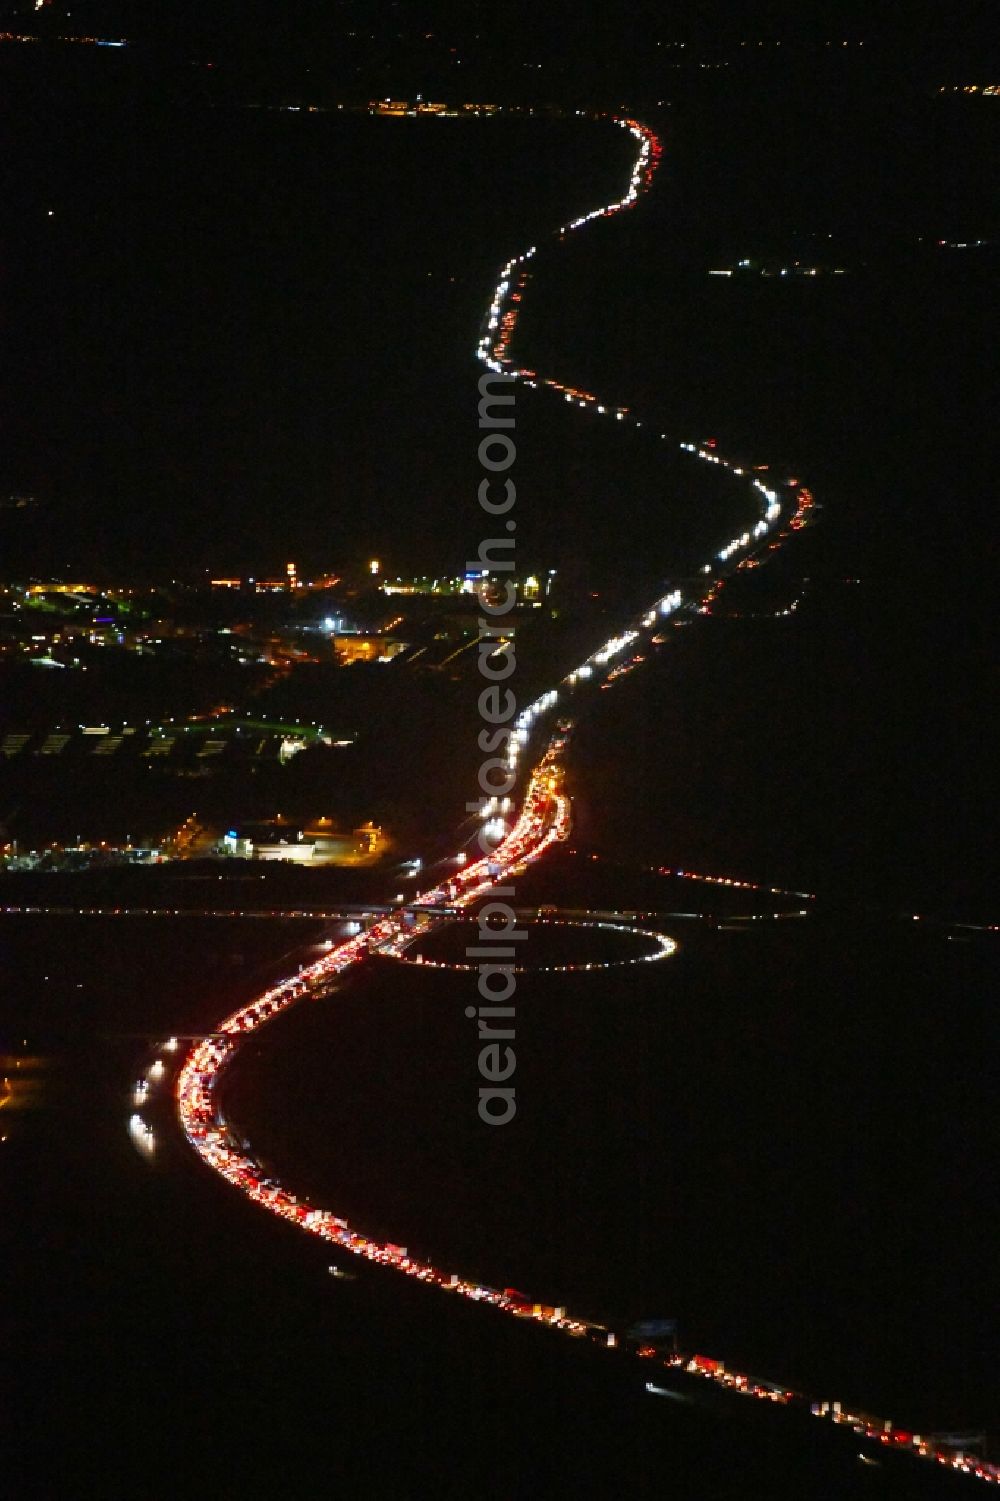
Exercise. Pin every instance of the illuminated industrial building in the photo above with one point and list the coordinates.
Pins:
(358, 648)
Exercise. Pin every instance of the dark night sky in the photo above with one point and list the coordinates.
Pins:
(578, 35)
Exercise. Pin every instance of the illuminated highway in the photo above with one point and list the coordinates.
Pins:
(543, 820)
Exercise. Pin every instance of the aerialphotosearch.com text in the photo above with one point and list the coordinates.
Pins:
(495, 948)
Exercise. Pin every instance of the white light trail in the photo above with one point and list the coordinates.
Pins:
(543, 819)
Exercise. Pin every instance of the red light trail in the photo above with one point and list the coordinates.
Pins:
(543, 820)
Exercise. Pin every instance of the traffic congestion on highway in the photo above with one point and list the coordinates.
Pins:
(543, 820)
